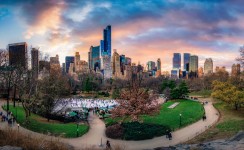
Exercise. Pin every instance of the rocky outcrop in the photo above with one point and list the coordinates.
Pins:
(10, 148)
(234, 143)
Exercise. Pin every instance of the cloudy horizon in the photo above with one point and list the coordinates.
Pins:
(144, 30)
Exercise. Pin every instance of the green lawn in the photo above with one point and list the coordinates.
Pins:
(230, 123)
(59, 129)
(191, 112)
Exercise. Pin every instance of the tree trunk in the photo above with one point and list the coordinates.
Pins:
(236, 106)
(14, 95)
(8, 98)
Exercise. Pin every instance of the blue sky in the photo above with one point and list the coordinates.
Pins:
(141, 29)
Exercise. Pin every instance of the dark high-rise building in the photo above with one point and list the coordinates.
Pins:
(193, 67)
(35, 62)
(68, 60)
(186, 61)
(177, 61)
(18, 54)
(105, 44)
(122, 63)
(94, 58)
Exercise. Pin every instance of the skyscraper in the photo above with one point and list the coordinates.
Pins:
(159, 64)
(177, 61)
(186, 61)
(68, 60)
(35, 62)
(105, 44)
(193, 67)
(116, 70)
(94, 58)
(122, 63)
(55, 64)
(208, 66)
(151, 65)
(18, 54)
(77, 60)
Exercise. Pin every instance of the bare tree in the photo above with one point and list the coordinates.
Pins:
(135, 101)
(241, 57)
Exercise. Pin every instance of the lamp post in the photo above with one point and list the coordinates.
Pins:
(77, 130)
(180, 120)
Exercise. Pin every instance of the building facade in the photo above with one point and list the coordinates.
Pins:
(116, 69)
(186, 61)
(68, 60)
(193, 66)
(18, 55)
(105, 44)
(151, 65)
(35, 62)
(177, 61)
(208, 66)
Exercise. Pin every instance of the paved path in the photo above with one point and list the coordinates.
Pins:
(97, 132)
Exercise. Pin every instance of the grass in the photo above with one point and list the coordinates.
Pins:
(230, 123)
(54, 128)
(29, 142)
(202, 93)
(191, 112)
(12, 137)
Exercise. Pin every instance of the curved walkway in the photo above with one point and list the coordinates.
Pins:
(97, 133)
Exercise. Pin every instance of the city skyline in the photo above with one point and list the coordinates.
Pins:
(142, 30)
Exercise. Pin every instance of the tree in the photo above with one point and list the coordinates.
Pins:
(135, 101)
(27, 89)
(183, 89)
(116, 93)
(241, 57)
(229, 93)
(51, 90)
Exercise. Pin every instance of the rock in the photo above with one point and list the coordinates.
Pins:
(234, 143)
(10, 148)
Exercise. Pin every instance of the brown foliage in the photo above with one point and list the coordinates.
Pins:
(135, 101)
(27, 142)
(114, 131)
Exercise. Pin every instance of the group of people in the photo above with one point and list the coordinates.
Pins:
(79, 103)
(168, 134)
(9, 117)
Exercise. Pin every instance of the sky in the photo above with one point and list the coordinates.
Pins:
(144, 30)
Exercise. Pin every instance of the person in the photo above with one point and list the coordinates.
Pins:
(170, 136)
(108, 146)
(167, 133)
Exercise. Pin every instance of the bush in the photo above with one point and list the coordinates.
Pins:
(106, 94)
(142, 131)
(115, 131)
(135, 131)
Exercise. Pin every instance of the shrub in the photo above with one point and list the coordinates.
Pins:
(135, 131)
(142, 131)
(115, 131)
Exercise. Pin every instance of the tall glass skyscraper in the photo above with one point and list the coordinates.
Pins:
(186, 61)
(193, 67)
(105, 44)
(68, 60)
(177, 61)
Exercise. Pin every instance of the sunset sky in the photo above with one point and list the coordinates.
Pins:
(141, 29)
